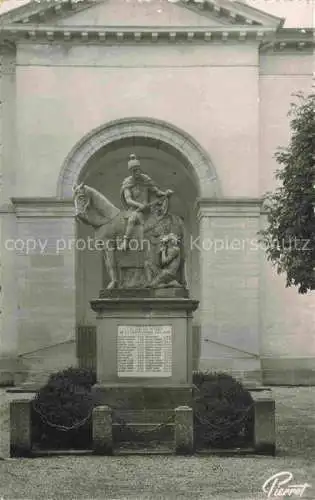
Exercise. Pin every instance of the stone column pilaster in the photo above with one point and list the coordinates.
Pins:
(46, 276)
(8, 301)
(230, 286)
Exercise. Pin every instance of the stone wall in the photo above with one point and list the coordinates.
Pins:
(234, 103)
(209, 92)
(287, 318)
(230, 286)
(45, 273)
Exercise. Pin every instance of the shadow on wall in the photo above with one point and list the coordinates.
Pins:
(36, 366)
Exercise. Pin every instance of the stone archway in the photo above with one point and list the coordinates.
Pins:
(162, 133)
(97, 160)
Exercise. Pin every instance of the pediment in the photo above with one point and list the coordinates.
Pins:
(135, 13)
(139, 13)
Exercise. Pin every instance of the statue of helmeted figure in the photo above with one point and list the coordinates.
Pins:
(137, 194)
(160, 262)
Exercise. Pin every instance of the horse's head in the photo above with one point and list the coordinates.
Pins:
(78, 189)
(81, 200)
(91, 206)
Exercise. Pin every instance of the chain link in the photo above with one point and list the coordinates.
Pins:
(170, 420)
(119, 420)
(59, 427)
(222, 426)
(242, 419)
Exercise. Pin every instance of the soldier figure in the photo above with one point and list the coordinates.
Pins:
(136, 196)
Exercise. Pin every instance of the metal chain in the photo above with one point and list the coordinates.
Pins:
(230, 424)
(62, 427)
(171, 419)
(79, 424)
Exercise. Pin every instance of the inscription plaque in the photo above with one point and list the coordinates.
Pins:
(144, 351)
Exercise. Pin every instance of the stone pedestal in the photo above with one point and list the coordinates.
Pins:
(102, 430)
(264, 438)
(20, 428)
(184, 430)
(144, 349)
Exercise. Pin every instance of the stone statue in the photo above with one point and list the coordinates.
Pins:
(136, 197)
(162, 264)
(168, 272)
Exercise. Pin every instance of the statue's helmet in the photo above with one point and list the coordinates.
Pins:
(133, 162)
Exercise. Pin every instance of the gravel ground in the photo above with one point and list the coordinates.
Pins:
(170, 477)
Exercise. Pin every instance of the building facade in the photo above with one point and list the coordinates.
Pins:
(200, 92)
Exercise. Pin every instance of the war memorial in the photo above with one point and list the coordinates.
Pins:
(190, 101)
(145, 394)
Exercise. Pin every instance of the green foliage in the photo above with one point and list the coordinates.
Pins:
(223, 411)
(80, 377)
(289, 237)
(62, 409)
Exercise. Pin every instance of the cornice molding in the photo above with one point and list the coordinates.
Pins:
(6, 208)
(229, 201)
(288, 39)
(228, 207)
(43, 207)
(101, 306)
(123, 34)
(268, 38)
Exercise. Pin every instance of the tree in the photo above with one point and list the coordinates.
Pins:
(289, 237)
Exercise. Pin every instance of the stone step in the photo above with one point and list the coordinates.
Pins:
(144, 432)
(121, 449)
(150, 397)
(144, 416)
(144, 426)
(144, 449)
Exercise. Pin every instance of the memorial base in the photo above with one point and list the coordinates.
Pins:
(144, 293)
(135, 397)
(144, 341)
(144, 363)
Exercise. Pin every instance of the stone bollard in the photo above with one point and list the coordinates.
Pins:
(20, 428)
(184, 430)
(264, 426)
(102, 430)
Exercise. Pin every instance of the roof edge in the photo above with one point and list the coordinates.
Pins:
(62, 8)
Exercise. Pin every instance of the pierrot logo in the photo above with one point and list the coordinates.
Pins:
(280, 486)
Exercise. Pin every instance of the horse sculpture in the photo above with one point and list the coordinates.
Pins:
(109, 223)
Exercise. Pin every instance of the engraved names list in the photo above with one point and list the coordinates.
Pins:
(144, 351)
